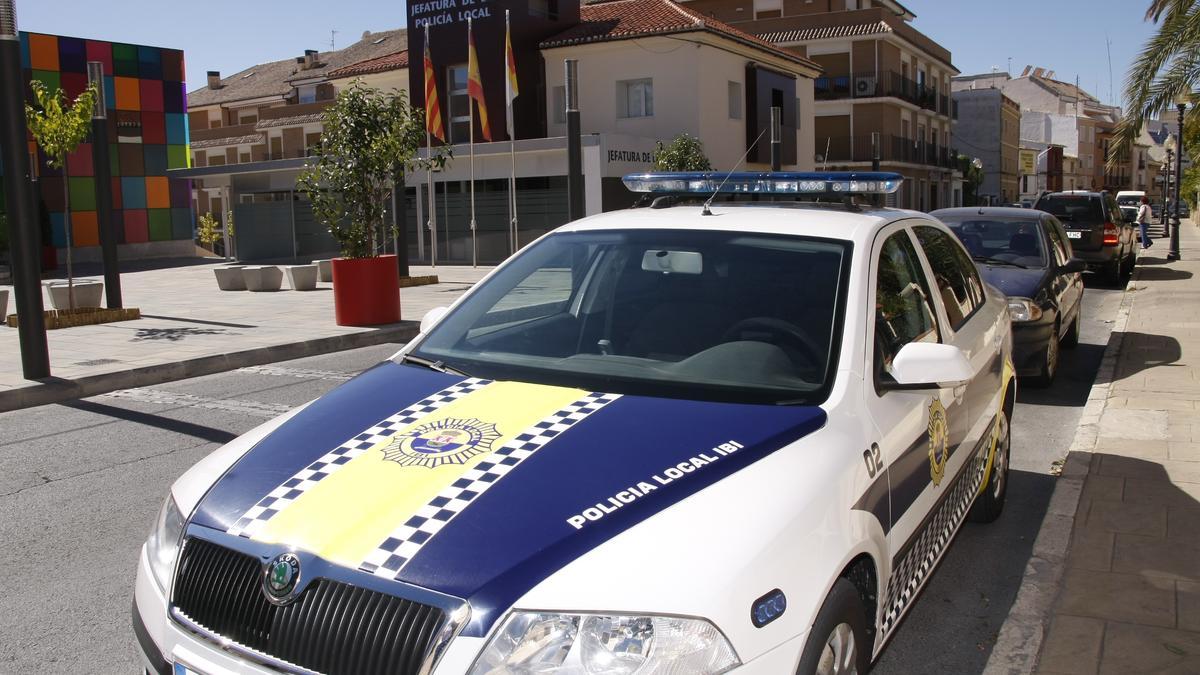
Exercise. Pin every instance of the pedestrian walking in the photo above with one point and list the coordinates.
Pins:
(1143, 219)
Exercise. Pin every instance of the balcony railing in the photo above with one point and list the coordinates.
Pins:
(892, 149)
(885, 83)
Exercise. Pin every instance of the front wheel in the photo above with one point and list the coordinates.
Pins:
(837, 644)
(1045, 376)
(990, 504)
(1071, 339)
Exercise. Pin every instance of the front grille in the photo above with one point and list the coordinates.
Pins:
(332, 627)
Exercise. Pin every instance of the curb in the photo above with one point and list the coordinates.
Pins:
(1019, 641)
(54, 390)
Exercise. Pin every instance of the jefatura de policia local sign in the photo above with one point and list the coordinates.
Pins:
(445, 12)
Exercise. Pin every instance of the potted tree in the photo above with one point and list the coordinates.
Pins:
(683, 153)
(58, 129)
(369, 138)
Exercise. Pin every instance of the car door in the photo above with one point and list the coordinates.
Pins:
(903, 311)
(1067, 287)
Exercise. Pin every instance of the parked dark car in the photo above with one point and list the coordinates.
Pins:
(1026, 254)
(1099, 234)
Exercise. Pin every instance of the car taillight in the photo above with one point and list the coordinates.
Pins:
(1110, 235)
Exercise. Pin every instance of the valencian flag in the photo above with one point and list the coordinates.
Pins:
(475, 84)
(510, 83)
(433, 111)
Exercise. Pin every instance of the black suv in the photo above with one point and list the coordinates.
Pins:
(1099, 233)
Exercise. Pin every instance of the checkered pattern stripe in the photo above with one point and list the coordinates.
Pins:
(407, 540)
(914, 569)
(279, 498)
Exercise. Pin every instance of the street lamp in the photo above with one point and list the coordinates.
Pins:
(1168, 175)
(1181, 104)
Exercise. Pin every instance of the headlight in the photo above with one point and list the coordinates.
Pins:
(591, 644)
(1023, 309)
(163, 544)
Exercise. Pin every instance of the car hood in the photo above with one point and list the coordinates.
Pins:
(481, 489)
(1014, 281)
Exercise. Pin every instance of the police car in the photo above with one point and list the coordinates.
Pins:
(729, 436)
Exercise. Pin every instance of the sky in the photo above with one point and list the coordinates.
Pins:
(1067, 36)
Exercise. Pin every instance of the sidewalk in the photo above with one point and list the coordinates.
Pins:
(190, 328)
(1122, 594)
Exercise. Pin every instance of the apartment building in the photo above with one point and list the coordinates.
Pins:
(884, 93)
(989, 128)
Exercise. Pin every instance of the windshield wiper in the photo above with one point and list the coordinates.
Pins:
(439, 366)
(997, 261)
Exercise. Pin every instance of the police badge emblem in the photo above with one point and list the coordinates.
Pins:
(449, 441)
(939, 441)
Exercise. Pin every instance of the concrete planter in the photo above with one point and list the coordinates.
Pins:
(230, 278)
(3, 302)
(324, 270)
(88, 294)
(301, 277)
(262, 279)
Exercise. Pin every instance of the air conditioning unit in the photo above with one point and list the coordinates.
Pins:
(864, 86)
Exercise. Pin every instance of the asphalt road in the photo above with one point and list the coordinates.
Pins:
(81, 482)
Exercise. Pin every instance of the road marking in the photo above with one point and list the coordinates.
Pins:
(279, 371)
(160, 397)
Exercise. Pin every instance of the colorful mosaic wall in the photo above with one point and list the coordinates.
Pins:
(147, 133)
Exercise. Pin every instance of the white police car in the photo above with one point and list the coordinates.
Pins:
(676, 439)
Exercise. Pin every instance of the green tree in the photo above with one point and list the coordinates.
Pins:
(369, 139)
(59, 128)
(972, 171)
(684, 153)
(1167, 68)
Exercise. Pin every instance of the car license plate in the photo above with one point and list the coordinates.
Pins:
(181, 669)
(1074, 234)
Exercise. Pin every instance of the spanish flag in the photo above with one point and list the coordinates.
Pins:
(433, 111)
(475, 84)
(510, 83)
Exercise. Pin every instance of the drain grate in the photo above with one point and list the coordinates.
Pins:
(96, 362)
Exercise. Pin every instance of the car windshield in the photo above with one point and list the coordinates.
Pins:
(1013, 240)
(1129, 200)
(1073, 210)
(698, 315)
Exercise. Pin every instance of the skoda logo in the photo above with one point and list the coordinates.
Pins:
(280, 577)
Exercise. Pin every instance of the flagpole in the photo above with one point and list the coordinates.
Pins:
(432, 222)
(513, 229)
(471, 107)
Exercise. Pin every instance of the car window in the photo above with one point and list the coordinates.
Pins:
(680, 314)
(1058, 241)
(998, 238)
(957, 279)
(1074, 210)
(903, 309)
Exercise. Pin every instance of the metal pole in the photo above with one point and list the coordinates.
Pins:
(23, 228)
(471, 111)
(432, 216)
(103, 172)
(776, 138)
(400, 224)
(1166, 181)
(575, 207)
(295, 239)
(874, 150)
(1173, 253)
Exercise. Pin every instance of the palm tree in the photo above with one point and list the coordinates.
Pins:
(1166, 70)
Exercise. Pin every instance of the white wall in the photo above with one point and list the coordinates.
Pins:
(385, 81)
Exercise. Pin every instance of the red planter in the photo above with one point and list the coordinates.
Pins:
(366, 291)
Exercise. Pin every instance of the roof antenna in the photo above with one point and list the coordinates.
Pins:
(707, 211)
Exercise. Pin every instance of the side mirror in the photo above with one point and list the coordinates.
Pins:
(432, 317)
(930, 365)
(1072, 266)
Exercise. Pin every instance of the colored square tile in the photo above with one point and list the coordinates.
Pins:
(125, 62)
(118, 225)
(58, 231)
(84, 228)
(154, 127)
(133, 159)
(160, 224)
(177, 157)
(156, 160)
(158, 192)
(128, 93)
(72, 55)
(51, 78)
(151, 95)
(98, 50)
(52, 197)
(181, 193)
(181, 224)
(110, 98)
(43, 52)
(133, 193)
(176, 128)
(172, 65)
(79, 163)
(174, 97)
(137, 228)
(114, 160)
(73, 84)
(83, 194)
(150, 63)
(117, 202)
(24, 50)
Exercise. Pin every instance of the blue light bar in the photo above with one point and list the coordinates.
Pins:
(767, 183)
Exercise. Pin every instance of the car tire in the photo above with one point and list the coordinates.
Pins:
(838, 640)
(990, 503)
(1130, 262)
(1071, 339)
(1113, 272)
(1049, 368)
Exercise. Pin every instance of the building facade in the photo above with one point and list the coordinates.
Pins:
(884, 93)
(989, 128)
(147, 131)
